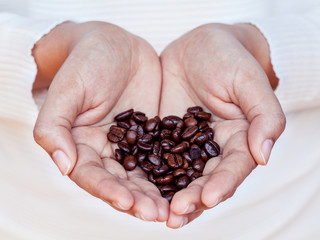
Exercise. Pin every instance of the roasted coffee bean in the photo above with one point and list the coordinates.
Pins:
(146, 166)
(125, 125)
(160, 170)
(187, 156)
(134, 150)
(179, 172)
(191, 121)
(167, 123)
(167, 144)
(203, 116)
(185, 164)
(116, 134)
(132, 122)
(157, 149)
(147, 138)
(145, 146)
(212, 148)
(210, 134)
(141, 157)
(124, 146)
(198, 165)
(195, 152)
(176, 133)
(166, 179)
(139, 117)
(182, 182)
(167, 188)
(158, 120)
(155, 134)
(203, 126)
(179, 148)
(155, 160)
(151, 178)
(189, 132)
(201, 138)
(131, 137)
(119, 156)
(150, 125)
(194, 109)
(129, 162)
(165, 134)
(195, 175)
(190, 172)
(168, 196)
(187, 115)
(175, 161)
(123, 116)
(204, 155)
(138, 129)
(180, 124)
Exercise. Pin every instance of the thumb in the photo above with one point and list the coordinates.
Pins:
(267, 120)
(52, 130)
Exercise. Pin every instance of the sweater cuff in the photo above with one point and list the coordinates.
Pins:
(17, 66)
(295, 55)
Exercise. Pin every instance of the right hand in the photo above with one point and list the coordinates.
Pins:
(98, 70)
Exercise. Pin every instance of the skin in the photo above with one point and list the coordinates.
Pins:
(95, 70)
(212, 67)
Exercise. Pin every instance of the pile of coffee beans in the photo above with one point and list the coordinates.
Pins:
(172, 151)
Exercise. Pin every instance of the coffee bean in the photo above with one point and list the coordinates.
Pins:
(168, 196)
(167, 188)
(134, 150)
(150, 125)
(201, 138)
(123, 116)
(179, 172)
(175, 161)
(167, 144)
(151, 178)
(195, 175)
(212, 148)
(210, 134)
(119, 156)
(124, 146)
(139, 117)
(187, 156)
(146, 166)
(165, 179)
(195, 152)
(138, 129)
(176, 133)
(194, 109)
(203, 116)
(158, 120)
(147, 138)
(155, 160)
(129, 162)
(203, 126)
(191, 121)
(204, 155)
(179, 148)
(182, 182)
(185, 164)
(116, 134)
(160, 170)
(198, 165)
(190, 172)
(145, 146)
(167, 123)
(165, 134)
(141, 157)
(189, 132)
(131, 137)
(125, 125)
(157, 149)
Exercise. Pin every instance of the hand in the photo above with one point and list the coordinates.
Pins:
(225, 70)
(98, 70)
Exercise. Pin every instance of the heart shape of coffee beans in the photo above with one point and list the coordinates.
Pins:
(172, 151)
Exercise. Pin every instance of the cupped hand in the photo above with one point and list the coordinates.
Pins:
(224, 69)
(98, 70)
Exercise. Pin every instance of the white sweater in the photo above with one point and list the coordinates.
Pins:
(37, 203)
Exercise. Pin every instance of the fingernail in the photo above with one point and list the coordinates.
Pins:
(218, 200)
(184, 222)
(189, 208)
(266, 150)
(119, 206)
(139, 215)
(62, 162)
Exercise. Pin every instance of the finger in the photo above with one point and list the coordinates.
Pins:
(235, 166)
(52, 130)
(176, 221)
(263, 110)
(90, 174)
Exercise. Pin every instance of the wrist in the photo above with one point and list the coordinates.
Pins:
(255, 42)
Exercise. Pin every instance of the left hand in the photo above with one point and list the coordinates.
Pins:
(225, 69)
